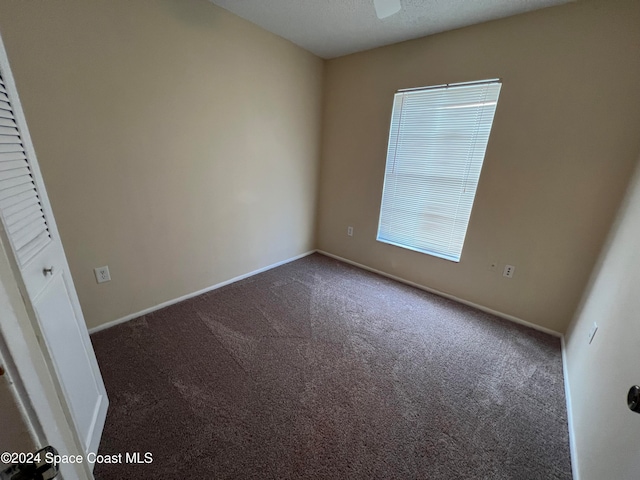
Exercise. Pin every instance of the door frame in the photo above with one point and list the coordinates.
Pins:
(27, 360)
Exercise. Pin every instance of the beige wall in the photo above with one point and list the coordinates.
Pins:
(179, 144)
(600, 374)
(563, 144)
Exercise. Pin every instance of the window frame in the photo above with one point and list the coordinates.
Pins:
(452, 253)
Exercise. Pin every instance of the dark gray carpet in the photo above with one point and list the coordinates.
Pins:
(317, 369)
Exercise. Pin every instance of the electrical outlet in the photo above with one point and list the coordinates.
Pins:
(592, 332)
(350, 231)
(508, 271)
(102, 274)
(493, 266)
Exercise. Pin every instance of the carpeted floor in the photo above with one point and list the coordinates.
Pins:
(317, 369)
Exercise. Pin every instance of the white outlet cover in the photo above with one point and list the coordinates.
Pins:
(102, 274)
(508, 271)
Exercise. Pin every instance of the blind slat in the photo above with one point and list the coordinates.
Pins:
(6, 157)
(437, 143)
(7, 122)
(11, 147)
(33, 213)
(14, 173)
(29, 232)
(6, 114)
(12, 213)
(28, 251)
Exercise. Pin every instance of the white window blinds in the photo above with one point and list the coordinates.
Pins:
(437, 142)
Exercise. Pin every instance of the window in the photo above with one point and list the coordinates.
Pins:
(437, 141)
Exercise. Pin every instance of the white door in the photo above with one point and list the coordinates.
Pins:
(30, 228)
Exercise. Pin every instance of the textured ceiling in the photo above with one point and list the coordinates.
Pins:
(332, 28)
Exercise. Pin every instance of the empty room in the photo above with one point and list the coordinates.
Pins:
(364, 239)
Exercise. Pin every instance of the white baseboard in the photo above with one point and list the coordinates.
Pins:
(567, 395)
(337, 257)
(146, 311)
(446, 295)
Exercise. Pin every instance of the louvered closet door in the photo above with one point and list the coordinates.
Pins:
(19, 202)
(29, 227)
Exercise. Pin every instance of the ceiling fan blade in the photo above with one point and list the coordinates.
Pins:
(386, 8)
